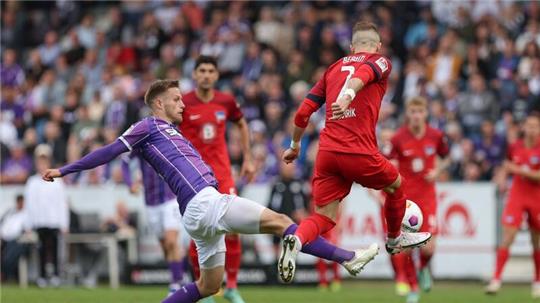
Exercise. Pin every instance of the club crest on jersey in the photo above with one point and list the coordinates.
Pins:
(220, 116)
(534, 160)
(381, 62)
(429, 150)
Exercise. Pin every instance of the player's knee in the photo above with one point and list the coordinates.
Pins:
(390, 189)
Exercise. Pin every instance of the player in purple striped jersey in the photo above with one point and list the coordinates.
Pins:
(207, 214)
(162, 214)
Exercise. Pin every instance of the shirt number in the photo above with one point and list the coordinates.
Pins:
(172, 132)
(208, 132)
(417, 165)
(349, 69)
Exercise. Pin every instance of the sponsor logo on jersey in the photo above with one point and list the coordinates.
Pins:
(429, 150)
(194, 117)
(220, 116)
(408, 152)
(382, 63)
(534, 160)
(349, 113)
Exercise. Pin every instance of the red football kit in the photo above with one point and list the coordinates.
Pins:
(524, 195)
(205, 124)
(348, 146)
(416, 157)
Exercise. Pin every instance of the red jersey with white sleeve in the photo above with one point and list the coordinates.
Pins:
(355, 132)
(416, 157)
(528, 159)
(205, 124)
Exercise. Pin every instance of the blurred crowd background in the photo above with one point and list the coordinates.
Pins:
(73, 74)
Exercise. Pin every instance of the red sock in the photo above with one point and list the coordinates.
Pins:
(233, 258)
(398, 264)
(424, 259)
(410, 271)
(194, 258)
(536, 257)
(335, 271)
(313, 226)
(321, 269)
(394, 210)
(502, 257)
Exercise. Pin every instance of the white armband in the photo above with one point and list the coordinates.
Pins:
(350, 92)
(295, 145)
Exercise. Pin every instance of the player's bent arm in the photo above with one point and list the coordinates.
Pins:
(96, 158)
(530, 174)
(244, 137)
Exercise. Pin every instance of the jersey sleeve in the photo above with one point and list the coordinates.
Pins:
(135, 134)
(442, 146)
(317, 94)
(233, 110)
(379, 65)
(510, 152)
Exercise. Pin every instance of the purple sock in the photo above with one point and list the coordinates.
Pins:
(177, 271)
(189, 293)
(322, 248)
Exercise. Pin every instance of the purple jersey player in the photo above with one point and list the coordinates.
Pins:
(162, 214)
(207, 214)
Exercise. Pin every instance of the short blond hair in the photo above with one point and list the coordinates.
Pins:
(417, 101)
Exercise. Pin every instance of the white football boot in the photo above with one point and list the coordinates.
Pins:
(493, 287)
(407, 240)
(361, 258)
(535, 290)
(290, 247)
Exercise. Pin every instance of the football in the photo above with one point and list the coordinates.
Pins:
(412, 220)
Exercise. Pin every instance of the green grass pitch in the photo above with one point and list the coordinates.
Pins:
(357, 291)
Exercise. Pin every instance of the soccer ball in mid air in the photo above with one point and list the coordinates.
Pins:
(412, 220)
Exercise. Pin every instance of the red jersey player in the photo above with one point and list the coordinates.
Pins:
(415, 147)
(524, 197)
(352, 88)
(205, 121)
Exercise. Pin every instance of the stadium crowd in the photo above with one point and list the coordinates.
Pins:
(73, 74)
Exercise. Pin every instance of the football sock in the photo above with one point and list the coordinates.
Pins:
(424, 259)
(313, 226)
(335, 270)
(394, 210)
(233, 258)
(398, 263)
(194, 260)
(410, 272)
(502, 257)
(321, 248)
(536, 256)
(321, 269)
(177, 271)
(187, 294)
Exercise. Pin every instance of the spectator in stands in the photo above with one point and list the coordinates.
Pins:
(11, 73)
(489, 148)
(476, 105)
(13, 224)
(122, 222)
(48, 214)
(18, 166)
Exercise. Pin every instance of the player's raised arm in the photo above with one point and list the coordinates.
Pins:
(96, 158)
(312, 102)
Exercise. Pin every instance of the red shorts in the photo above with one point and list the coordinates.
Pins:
(519, 203)
(427, 202)
(227, 186)
(335, 173)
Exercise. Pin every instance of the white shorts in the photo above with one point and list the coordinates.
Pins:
(210, 215)
(164, 217)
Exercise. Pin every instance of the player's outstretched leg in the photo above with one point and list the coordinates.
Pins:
(247, 217)
(353, 261)
(394, 210)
